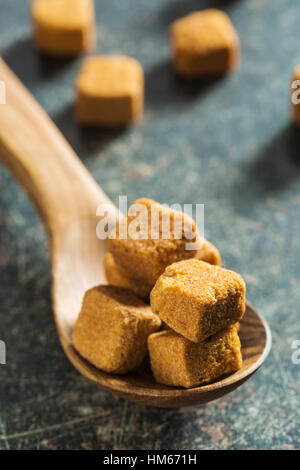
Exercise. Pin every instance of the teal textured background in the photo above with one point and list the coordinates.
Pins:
(227, 143)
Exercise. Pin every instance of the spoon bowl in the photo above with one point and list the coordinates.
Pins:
(67, 198)
(141, 387)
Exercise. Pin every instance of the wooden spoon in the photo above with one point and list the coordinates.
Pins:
(67, 197)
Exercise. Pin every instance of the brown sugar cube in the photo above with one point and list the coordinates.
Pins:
(112, 329)
(110, 91)
(63, 27)
(204, 43)
(179, 362)
(116, 277)
(150, 238)
(295, 96)
(197, 299)
(209, 253)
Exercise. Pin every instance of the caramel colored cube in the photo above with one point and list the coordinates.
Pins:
(63, 27)
(151, 237)
(197, 299)
(112, 329)
(110, 91)
(295, 96)
(204, 43)
(116, 277)
(177, 361)
(209, 253)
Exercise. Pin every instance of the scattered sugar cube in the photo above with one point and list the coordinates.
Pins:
(110, 91)
(63, 27)
(204, 43)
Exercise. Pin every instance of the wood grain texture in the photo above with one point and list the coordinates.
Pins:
(67, 198)
(63, 191)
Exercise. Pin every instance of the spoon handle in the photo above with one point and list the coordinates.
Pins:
(42, 160)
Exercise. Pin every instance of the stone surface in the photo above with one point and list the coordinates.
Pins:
(240, 158)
